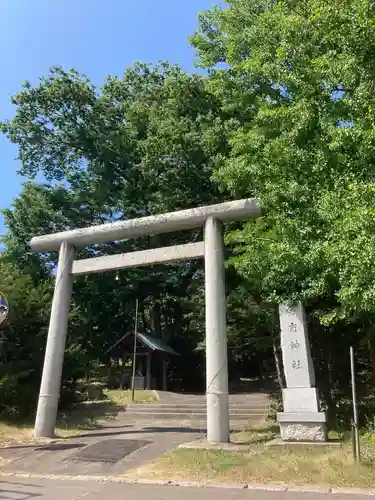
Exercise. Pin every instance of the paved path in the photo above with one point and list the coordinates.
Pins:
(28, 489)
(156, 437)
(61, 457)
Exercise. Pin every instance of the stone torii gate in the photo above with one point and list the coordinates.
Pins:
(211, 249)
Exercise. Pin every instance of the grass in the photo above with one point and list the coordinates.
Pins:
(88, 415)
(333, 466)
(125, 397)
(255, 435)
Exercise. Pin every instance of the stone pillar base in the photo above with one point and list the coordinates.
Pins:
(307, 427)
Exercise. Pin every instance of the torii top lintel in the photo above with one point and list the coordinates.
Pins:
(145, 226)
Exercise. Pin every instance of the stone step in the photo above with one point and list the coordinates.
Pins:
(247, 404)
(199, 425)
(198, 405)
(201, 400)
(187, 410)
(189, 416)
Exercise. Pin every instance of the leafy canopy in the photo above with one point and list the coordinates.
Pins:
(301, 76)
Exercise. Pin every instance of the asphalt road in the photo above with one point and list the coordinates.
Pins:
(32, 489)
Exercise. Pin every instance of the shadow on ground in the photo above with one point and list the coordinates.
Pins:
(7, 491)
(86, 415)
(143, 430)
(49, 447)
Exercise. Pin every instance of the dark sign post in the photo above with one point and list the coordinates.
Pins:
(356, 447)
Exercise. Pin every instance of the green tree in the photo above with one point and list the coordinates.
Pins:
(22, 338)
(304, 143)
(140, 145)
(298, 80)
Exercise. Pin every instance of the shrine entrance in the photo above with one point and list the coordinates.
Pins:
(211, 218)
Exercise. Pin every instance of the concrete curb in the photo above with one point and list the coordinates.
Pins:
(200, 444)
(195, 484)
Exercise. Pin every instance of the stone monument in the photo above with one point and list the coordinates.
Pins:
(301, 419)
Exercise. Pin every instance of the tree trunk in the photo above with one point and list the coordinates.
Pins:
(165, 374)
(155, 319)
(143, 316)
(371, 349)
(278, 364)
(123, 371)
(148, 370)
(166, 334)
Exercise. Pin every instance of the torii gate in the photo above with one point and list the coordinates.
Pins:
(211, 249)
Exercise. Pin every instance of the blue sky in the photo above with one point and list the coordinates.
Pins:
(95, 37)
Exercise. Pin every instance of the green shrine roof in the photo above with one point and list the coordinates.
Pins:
(156, 343)
(150, 340)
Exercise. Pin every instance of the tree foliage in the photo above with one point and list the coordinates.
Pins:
(22, 337)
(142, 144)
(285, 113)
(302, 75)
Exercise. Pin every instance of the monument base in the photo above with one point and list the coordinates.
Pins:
(307, 427)
(278, 442)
